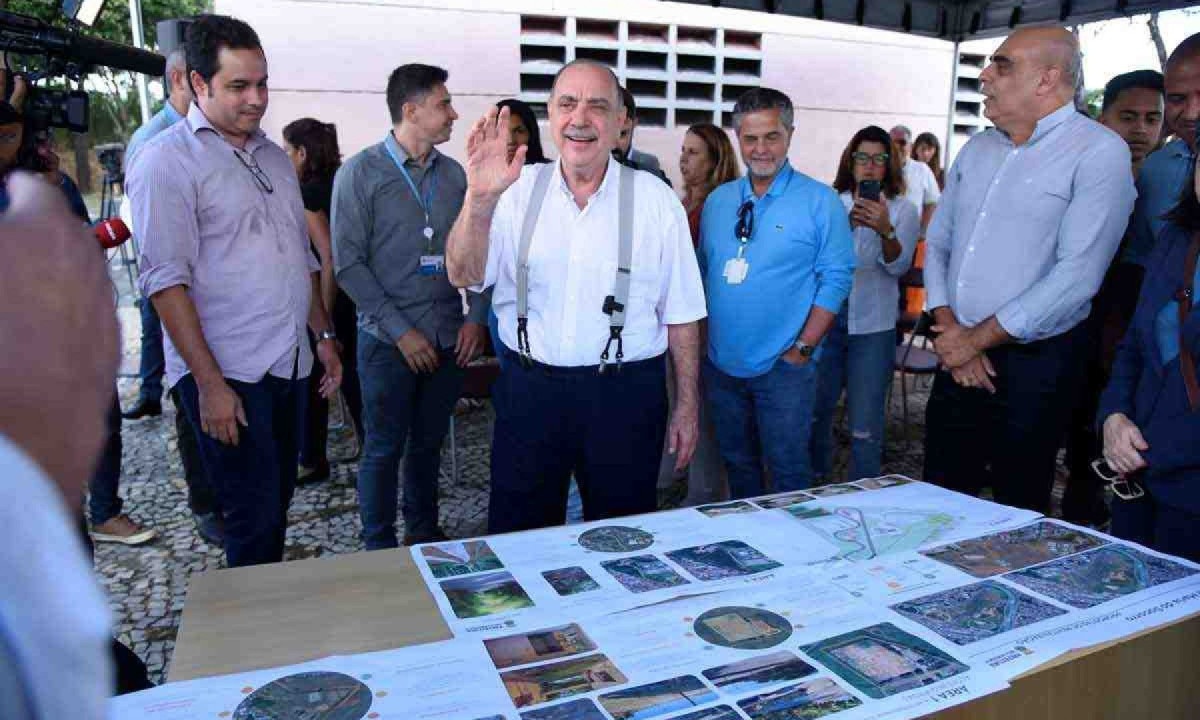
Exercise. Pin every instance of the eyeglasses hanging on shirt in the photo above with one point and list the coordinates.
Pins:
(432, 264)
(737, 268)
(248, 162)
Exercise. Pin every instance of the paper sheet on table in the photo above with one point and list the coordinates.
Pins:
(448, 680)
(595, 568)
(1033, 593)
(807, 648)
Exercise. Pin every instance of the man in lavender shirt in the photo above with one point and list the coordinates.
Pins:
(225, 259)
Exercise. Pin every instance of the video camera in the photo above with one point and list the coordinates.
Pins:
(52, 52)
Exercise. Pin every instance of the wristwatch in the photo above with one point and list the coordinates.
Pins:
(806, 351)
(891, 234)
(327, 335)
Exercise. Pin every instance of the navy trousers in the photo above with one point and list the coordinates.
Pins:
(255, 479)
(1008, 441)
(1168, 529)
(607, 429)
(104, 503)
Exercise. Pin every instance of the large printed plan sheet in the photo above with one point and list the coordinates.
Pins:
(884, 598)
(799, 649)
(512, 580)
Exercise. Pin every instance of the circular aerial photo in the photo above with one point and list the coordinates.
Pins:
(307, 696)
(742, 628)
(616, 539)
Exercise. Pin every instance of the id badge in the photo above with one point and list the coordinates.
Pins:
(736, 270)
(433, 265)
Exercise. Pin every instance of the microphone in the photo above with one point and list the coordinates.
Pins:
(111, 232)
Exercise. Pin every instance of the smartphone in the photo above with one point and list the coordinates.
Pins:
(869, 189)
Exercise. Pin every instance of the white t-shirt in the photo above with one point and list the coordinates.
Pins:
(573, 264)
(52, 613)
(920, 186)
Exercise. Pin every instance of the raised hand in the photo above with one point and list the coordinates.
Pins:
(489, 171)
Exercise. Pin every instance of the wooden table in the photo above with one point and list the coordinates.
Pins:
(265, 616)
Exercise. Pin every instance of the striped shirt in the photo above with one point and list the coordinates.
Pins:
(207, 223)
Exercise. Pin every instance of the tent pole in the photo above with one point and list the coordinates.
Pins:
(135, 25)
(950, 113)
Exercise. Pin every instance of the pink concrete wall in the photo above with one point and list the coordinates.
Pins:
(331, 60)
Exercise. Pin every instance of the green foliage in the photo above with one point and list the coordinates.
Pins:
(113, 23)
(115, 111)
(1094, 100)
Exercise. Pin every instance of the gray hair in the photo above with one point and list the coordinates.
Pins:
(177, 60)
(596, 64)
(1073, 72)
(904, 129)
(760, 99)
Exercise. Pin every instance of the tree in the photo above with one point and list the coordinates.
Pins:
(1156, 36)
(1093, 100)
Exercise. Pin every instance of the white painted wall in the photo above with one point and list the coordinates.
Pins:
(330, 59)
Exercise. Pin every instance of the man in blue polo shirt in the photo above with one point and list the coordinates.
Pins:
(777, 258)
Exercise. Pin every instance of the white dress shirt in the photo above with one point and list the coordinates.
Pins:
(920, 186)
(874, 300)
(1027, 232)
(53, 617)
(573, 264)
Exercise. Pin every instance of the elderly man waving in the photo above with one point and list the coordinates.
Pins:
(594, 279)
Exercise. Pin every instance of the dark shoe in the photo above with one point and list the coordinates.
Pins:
(211, 529)
(436, 536)
(312, 475)
(144, 408)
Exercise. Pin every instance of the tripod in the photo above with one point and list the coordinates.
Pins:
(110, 186)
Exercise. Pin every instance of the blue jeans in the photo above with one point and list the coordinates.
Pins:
(255, 479)
(153, 365)
(103, 502)
(769, 418)
(862, 365)
(406, 415)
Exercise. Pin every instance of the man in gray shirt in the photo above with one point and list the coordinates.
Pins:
(393, 205)
(1031, 216)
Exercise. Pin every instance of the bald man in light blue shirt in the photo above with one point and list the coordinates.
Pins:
(1032, 215)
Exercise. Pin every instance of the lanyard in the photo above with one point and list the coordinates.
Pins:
(426, 203)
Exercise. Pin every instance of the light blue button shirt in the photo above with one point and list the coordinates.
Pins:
(162, 120)
(1027, 232)
(800, 254)
(1160, 183)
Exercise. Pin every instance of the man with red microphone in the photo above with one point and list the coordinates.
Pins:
(108, 522)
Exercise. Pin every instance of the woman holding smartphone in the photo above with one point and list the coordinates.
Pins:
(858, 354)
(1150, 410)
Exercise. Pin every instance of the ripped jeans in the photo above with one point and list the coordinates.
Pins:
(863, 366)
